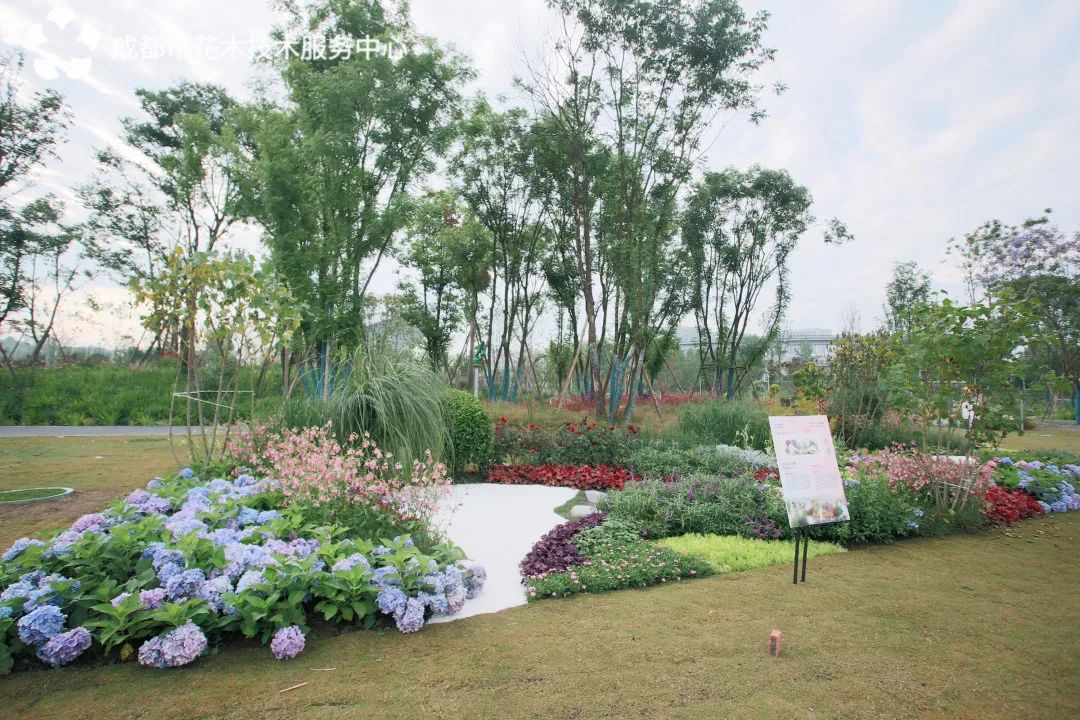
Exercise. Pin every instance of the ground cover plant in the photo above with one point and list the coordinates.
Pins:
(592, 555)
(732, 553)
(169, 571)
(659, 459)
(1051, 485)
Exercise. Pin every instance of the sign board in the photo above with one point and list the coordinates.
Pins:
(806, 456)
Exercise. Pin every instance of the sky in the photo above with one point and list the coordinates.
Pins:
(913, 121)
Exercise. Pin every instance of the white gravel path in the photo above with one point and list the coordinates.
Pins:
(496, 525)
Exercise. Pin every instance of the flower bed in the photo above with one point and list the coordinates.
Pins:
(608, 555)
(582, 477)
(729, 553)
(171, 570)
(1050, 485)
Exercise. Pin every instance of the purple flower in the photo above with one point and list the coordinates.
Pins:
(152, 599)
(412, 619)
(65, 647)
(475, 578)
(249, 579)
(91, 521)
(155, 484)
(288, 642)
(212, 590)
(174, 649)
(455, 599)
(41, 624)
(186, 473)
(387, 575)
(115, 602)
(183, 524)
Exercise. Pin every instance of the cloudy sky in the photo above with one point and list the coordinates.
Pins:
(913, 121)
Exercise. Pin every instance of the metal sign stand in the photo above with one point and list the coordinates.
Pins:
(801, 534)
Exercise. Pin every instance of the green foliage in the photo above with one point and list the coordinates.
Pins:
(657, 459)
(384, 392)
(471, 435)
(111, 394)
(729, 553)
(879, 514)
(588, 442)
(606, 537)
(745, 424)
(697, 503)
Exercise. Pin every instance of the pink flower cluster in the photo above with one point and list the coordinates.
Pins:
(919, 471)
(311, 466)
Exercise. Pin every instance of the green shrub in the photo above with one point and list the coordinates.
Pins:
(729, 553)
(658, 459)
(697, 503)
(592, 443)
(879, 513)
(745, 424)
(471, 434)
(606, 537)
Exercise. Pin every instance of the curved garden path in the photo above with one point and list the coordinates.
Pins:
(496, 525)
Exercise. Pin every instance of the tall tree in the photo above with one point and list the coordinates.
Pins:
(908, 288)
(335, 162)
(30, 130)
(739, 230)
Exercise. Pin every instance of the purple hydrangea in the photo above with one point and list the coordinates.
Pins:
(168, 571)
(267, 516)
(91, 521)
(391, 601)
(155, 484)
(18, 547)
(244, 480)
(302, 548)
(475, 578)
(41, 624)
(152, 599)
(412, 619)
(65, 647)
(438, 603)
(184, 524)
(147, 502)
(184, 585)
(455, 599)
(175, 649)
(162, 557)
(115, 602)
(346, 564)
(186, 473)
(288, 642)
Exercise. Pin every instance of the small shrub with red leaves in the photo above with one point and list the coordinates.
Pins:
(1004, 507)
(581, 477)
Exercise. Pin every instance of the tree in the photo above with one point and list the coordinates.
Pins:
(333, 164)
(1056, 312)
(908, 288)
(30, 130)
(739, 229)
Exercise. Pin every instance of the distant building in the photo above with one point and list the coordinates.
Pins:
(792, 343)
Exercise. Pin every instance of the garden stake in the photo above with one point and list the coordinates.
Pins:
(805, 553)
(795, 578)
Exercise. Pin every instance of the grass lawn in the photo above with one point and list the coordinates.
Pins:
(100, 469)
(982, 626)
(1058, 437)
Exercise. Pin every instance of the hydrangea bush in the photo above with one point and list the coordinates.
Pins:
(168, 571)
(1050, 484)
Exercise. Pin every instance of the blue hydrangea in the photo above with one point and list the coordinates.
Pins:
(452, 578)
(437, 602)
(41, 624)
(1044, 505)
(391, 601)
(247, 516)
(184, 585)
(186, 473)
(346, 564)
(48, 591)
(63, 648)
(115, 602)
(302, 548)
(155, 484)
(18, 547)
(386, 576)
(249, 579)
(475, 577)
(408, 540)
(434, 582)
(17, 590)
(6, 612)
(163, 556)
(167, 571)
(57, 549)
(175, 649)
(1004, 461)
(455, 599)
(267, 516)
(412, 619)
(912, 524)
(381, 550)
(183, 524)
(1059, 506)
(212, 590)
(918, 512)
(244, 480)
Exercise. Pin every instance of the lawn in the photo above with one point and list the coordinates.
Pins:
(100, 469)
(1059, 437)
(982, 626)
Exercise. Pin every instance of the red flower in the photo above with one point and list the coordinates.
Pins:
(502, 420)
(610, 427)
(532, 426)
